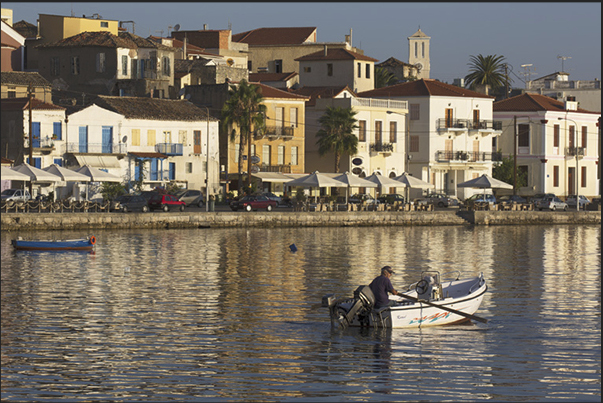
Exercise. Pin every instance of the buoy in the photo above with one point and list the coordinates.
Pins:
(293, 247)
(92, 239)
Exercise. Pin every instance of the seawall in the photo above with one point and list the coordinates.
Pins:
(91, 221)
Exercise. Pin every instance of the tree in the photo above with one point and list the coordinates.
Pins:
(504, 172)
(486, 70)
(384, 78)
(336, 134)
(245, 109)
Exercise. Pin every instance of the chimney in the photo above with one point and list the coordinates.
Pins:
(325, 50)
(205, 27)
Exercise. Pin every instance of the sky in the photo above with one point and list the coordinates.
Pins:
(549, 36)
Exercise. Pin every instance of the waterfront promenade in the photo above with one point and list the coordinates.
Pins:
(229, 219)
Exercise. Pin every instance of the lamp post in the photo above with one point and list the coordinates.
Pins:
(576, 153)
(207, 164)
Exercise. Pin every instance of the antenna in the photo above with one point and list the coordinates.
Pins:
(563, 59)
(527, 73)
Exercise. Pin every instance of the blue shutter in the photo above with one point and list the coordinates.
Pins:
(57, 130)
(35, 130)
(107, 147)
(172, 171)
(83, 140)
(154, 169)
(37, 162)
(137, 174)
(58, 161)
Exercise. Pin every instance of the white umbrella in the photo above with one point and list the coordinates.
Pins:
(96, 175)
(316, 180)
(384, 181)
(354, 181)
(36, 174)
(9, 174)
(412, 182)
(485, 182)
(67, 175)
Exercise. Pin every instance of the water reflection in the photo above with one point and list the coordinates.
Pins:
(233, 315)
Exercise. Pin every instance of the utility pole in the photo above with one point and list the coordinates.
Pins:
(30, 98)
(514, 155)
(506, 82)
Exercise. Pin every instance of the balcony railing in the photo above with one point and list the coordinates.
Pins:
(467, 156)
(286, 169)
(575, 151)
(485, 125)
(278, 132)
(95, 148)
(169, 148)
(452, 124)
(382, 147)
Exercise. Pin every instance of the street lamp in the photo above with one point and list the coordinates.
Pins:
(207, 165)
(576, 153)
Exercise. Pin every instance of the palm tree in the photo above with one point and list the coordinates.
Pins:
(336, 134)
(488, 71)
(384, 78)
(245, 109)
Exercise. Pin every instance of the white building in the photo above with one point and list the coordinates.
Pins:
(557, 144)
(451, 133)
(155, 141)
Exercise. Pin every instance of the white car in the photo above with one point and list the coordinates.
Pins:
(571, 201)
(16, 195)
(552, 203)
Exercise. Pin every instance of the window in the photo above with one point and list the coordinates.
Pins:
(100, 62)
(75, 65)
(124, 65)
(393, 132)
(151, 137)
(294, 160)
(55, 66)
(12, 92)
(197, 143)
(423, 49)
(189, 167)
(368, 71)
(476, 118)
(266, 155)
(249, 66)
(182, 134)
(556, 176)
(329, 69)
(359, 70)
(414, 144)
(135, 137)
(166, 66)
(57, 131)
(307, 69)
(167, 136)
(362, 130)
(584, 136)
(583, 177)
(416, 49)
(104, 24)
(293, 117)
(281, 155)
(58, 161)
(278, 66)
(556, 136)
(449, 114)
(414, 112)
(378, 131)
(523, 135)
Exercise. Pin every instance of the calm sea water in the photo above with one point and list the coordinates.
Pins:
(233, 315)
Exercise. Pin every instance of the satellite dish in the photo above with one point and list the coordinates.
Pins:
(177, 27)
(230, 62)
(419, 66)
(124, 139)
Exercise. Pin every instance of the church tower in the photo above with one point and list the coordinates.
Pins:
(418, 53)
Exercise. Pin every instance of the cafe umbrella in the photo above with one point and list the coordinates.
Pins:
(353, 181)
(315, 180)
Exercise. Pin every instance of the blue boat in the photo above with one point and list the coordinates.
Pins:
(68, 244)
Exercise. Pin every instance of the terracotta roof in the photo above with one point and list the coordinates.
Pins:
(259, 77)
(26, 29)
(153, 108)
(24, 78)
(276, 36)
(105, 39)
(532, 103)
(393, 62)
(423, 88)
(321, 92)
(143, 42)
(17, 104)
(335, 54)
(186, 66)
(271, 92)
(176, 43)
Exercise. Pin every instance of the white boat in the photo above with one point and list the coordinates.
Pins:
(432, 301)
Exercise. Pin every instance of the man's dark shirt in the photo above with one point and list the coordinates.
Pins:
(380, 287)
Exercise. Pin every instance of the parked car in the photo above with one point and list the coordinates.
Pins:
(511, 199)
(127, 203)
(272, 196)
(165, 202)
(552, 203)
(16, 195)
(571, 201)
(363, 197)
(253, 202)
(441, 200)
(191, 197)
(391, 198)
(480, 198)
(540, 196)
(147, 194)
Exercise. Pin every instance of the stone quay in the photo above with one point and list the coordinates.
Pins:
(91, 221)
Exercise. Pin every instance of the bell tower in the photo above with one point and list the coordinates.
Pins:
(418, 53)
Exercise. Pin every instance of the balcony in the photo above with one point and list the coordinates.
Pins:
(575, 151)
(485, 125)
(453, 125)
(278, 132)
(467, 156)
(171, 149)
(95, 148)
(382, 147)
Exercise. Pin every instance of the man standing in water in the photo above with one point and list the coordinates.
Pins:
(381, 285)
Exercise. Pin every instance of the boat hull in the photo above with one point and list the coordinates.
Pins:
(79, 244)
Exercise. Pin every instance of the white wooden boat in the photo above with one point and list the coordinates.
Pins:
(432, 301)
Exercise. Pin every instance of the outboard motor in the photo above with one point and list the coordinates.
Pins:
(344, 311)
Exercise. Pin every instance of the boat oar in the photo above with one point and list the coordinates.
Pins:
(445, 308)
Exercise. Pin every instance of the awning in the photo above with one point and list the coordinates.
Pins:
(147, 155)
(272, 177)
(98, 161)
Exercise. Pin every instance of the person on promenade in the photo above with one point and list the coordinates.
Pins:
(381, 285)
